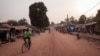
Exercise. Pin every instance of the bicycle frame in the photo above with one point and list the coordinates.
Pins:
(25, 46)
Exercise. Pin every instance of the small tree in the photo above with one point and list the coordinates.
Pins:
(12, 22)
(82, 19)
(90, 19)
(52, 24)
(22, 22)
(72, 20)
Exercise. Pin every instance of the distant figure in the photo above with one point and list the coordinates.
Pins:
(12, 34)
(49, 29)
(79, 30)
(78, 37)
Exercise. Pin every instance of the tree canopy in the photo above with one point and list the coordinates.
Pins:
(72, 20)
(22, 21)
(82, 19)
(37, 14)
(19, 22)
(12, 22)
(97, 18)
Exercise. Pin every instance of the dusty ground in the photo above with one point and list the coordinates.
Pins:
(52, 44)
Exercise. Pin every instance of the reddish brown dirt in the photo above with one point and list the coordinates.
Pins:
(52, 44)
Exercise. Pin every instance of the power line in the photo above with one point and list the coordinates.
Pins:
(92, 8)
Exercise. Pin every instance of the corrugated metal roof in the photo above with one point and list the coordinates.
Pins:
(20, 27)
(92, 23)
(5, 26)
(4, 29)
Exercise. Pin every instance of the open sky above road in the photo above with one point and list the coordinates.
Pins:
(57, 9)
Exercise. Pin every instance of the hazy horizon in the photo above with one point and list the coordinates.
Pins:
(57, 9)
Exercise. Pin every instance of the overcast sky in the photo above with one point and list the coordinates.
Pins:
(57, 9)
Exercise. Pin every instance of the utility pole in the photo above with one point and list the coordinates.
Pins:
(67, 20)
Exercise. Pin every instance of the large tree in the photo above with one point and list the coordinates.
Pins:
(37, 14)
(97, 19)
(82, 19)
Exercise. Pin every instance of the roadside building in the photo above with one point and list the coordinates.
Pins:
(19, 30)
(93, 27)
(4, 32)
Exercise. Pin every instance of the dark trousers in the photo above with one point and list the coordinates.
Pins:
(29, 40)
(78, 37)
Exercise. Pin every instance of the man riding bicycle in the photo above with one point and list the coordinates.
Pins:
(27, 35)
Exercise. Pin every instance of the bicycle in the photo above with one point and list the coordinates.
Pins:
(25, 46)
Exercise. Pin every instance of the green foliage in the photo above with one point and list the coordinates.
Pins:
(97, 18)
(72, 20)
(90, 19)
(19, 22)
(12, 22)
(82, 19)
(52, 24)
(22, 22)
(37, 14)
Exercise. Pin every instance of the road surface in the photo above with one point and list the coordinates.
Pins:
(52, 44)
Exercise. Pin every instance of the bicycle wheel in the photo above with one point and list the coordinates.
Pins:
(24, 47)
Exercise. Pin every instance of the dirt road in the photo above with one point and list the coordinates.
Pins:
(52, 44)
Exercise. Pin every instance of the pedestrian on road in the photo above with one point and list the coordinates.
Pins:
(78, 37)
(49, 29)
